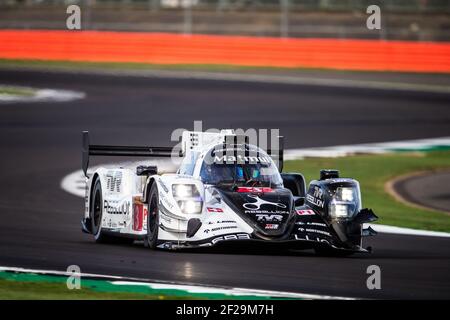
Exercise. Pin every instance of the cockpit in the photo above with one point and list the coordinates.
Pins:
(242, 165)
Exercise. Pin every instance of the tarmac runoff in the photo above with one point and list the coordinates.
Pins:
(425, 189)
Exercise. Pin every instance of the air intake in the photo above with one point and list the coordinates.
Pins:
(329, 174)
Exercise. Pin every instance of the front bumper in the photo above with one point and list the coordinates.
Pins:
(255, 244)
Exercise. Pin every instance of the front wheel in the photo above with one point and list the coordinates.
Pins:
(96, 213)
(151, 239)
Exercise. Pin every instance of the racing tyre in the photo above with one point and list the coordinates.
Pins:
(96, 213)
(151, 239)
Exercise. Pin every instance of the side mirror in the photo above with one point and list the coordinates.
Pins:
(146, 170)
(299, 201)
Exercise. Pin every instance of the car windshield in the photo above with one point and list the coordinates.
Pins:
(258, 170)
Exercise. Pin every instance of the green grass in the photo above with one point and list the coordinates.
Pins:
(23, 285)
(15, 290)
(143, 66)
(132, 66)
(16, 91)
(373, 171)
(37, 286)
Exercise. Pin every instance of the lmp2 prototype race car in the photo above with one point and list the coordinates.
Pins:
(225, 191)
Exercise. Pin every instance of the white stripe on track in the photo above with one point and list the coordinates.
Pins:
(189, 288)
(366, 148)
(407, 231)
(42, 95)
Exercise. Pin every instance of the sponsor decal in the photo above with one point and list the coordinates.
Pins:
(305, 212)
(318, 193)
(325, 233)
(210, 209)
(113, 180)
(254, 189)
(271, 226)
(219, 228)
(239, 158)
(164, 201)
(222, 222)
(139, 212)
(307, 238)
(269, 217)
(111, 224)
(318, 224)
(117, 207)
(314, 201)
(252, 206)
(239, 236)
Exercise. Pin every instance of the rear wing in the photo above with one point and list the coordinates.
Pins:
(157, 152)
(121, 151)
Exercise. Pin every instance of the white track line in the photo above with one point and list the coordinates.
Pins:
(407, 231)
(118, 280)
(366, 148)
(42, 95)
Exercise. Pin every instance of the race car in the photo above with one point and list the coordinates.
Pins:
(225, 191)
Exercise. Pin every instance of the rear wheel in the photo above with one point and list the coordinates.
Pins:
(151, 239)
(96, 213)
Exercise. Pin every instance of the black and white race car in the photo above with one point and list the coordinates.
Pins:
(225, 191)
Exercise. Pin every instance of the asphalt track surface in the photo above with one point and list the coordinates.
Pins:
(431, 190)
(40, 144)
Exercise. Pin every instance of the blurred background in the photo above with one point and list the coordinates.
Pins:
(424, 20)
(140, 69)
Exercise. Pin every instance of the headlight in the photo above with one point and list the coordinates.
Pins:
(184, 191)
(188, 198)
(190, 206)
(345, 194)
(345, 202)
(341, 210)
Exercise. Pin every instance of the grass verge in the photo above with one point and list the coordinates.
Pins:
(31, 286)
(134, 66)
(24, 290)
(373, 171)
(16, 91)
